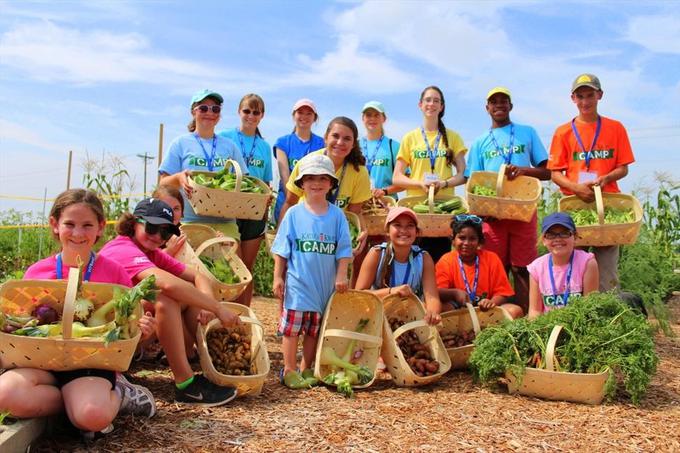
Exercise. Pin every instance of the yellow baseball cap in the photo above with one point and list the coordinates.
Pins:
(497, 90)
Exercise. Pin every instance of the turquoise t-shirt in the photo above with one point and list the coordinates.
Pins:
(381, 156)
(312, 245)
(414, 267)
(527, 149)
(256, 153)
(190, 152)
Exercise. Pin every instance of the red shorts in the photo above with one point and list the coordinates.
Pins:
(515, 242)
(294, 323)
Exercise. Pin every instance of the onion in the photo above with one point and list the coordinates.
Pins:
(45, 314)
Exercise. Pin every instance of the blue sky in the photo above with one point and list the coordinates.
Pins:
(99, 76)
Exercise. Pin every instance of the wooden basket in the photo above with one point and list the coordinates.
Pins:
(269, 237)
(411, 310)
(375, 223)
(213, 248)
(343, 312)
(245, 385)
(61, 353)
(605, 234)
(431, 225)
(515, 199)
(587, 388)
(357, 221)
(465, 319)
(229, 204)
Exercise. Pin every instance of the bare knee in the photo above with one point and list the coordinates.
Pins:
(91, 416)
(515, 311)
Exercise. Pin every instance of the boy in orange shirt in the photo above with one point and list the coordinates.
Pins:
(469, 273)
(587, 151)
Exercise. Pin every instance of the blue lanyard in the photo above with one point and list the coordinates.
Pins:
(471, 292)
(507, 156)
(432, 154)
(407, 274)
(209, 159)
(88, 269)
(370, 159)
(565, 296)
(580, 142)
(248, 157)
(336, 191)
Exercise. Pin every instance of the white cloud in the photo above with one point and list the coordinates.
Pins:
(10, 131)
(656, 33)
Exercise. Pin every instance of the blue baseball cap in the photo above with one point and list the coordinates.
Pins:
(375, 105)
(206, 93)
(558, 218)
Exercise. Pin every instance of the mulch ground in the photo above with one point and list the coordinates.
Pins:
(452, 415)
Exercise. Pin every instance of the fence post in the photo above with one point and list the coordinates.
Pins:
(40, 237)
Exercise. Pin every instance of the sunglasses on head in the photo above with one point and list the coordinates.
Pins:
(151, 229)
(467, 218)
(254, 112)
(204, 108)
(561, 235)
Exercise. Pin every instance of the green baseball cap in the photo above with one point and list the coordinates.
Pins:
(586, 80)
(206, 93)
(375, 105)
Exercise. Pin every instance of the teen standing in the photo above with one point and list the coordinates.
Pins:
(519, 147)
(380, 151)
(591, 150)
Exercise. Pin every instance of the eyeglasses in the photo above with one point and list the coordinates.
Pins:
(254, 112)
(432, 100)
(204, 108)
(151, 229)
(467, 218)
(562, 235)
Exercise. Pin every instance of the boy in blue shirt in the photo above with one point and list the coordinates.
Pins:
(519, 147)
(312, 252)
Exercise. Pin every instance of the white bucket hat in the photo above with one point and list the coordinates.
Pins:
(316, 164)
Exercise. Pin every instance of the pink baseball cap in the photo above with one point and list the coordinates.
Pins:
(400, 210)
(305, 102)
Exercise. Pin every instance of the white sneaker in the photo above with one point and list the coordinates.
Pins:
(135, 399)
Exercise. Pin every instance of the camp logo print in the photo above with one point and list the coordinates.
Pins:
(254, 162)
(558, 300)
(198, 161)
(422, 154)
(491, 153)
(600, 154)
(322, 243)
(380, 162)
(342, 202)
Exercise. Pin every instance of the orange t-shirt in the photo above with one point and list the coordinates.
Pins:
(493, 280)
(611, 150)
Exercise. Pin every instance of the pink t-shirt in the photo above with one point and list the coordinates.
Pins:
(104, 271)
(538, 269)
(124, 251)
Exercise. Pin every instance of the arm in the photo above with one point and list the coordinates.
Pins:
(583, 191)
(535, 303)
(291, 200)
(591, 278)
(612, 176)
(433, 305)
(453, 296)
(459, 177)
(282, 162)
(179, 180)
(341, 282)
(540, 171)
(495, 301)
(279, 284)
(400, 179)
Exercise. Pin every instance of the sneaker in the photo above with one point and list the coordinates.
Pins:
(203, 392)
(135, 399)
(90, 436)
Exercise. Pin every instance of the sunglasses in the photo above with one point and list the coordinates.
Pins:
(151, 229)
(204, 108)
(467, 218)
(254, 112)
(561, 235)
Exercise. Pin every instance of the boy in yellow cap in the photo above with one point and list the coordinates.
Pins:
(591, 150)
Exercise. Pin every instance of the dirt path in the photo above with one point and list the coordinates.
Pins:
(453, 415)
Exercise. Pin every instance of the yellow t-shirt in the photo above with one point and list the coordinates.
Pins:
(413, 151)
(355, 186)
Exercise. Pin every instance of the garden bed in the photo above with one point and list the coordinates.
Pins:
(452, 415)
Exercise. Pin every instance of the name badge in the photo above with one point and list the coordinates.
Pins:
(586, 176)
(430, 178)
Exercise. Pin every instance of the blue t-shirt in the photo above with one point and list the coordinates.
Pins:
(381, 156)
(527, 149)
(186, 153)
(414, 278)
(312, 245)
(256, 153)
(295, 149)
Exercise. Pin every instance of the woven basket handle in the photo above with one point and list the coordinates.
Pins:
(475, 319)
(430, 199)
(599, 203)
(550, 348)
(69, 302)
(231, 242)
(414, 325)
(237, 171)
(372, 339)
(500, 179)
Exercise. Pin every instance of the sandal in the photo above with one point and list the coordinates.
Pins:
(308, 376)
(294, 380)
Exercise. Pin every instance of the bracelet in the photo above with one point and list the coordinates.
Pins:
(446, 183)
(384, 189)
